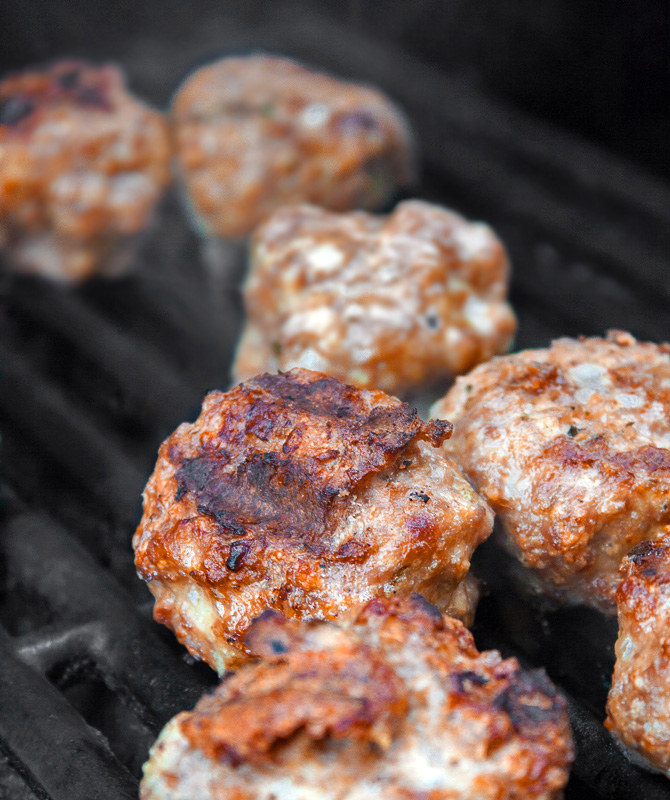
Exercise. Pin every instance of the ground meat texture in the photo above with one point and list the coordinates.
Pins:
(298, 493)
(252, 134)
(638, 707)
(82, 167)
(400, 303)
(398, 705)
(570, 445)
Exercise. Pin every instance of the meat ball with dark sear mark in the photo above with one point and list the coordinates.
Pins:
(299, 493)
(399, 704)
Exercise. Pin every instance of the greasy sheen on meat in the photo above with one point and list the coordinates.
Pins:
(571, 447)
(83, 165)
(254, 133)
(299, 493)
(400, 302)
(399, 705)
(638, 707)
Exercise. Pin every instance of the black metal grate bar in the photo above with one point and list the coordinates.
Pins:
(69, 436)
(102, 622)
(153, 391)
(58, 751)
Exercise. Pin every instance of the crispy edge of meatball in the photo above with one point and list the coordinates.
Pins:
(219, 544)
(568, 550)
(400, 681)
(638, 706)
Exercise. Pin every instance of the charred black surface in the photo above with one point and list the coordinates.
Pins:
(289, 446)
(15, 109)
(525, 701)
(263, 494)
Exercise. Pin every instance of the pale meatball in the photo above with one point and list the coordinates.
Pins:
(252, 134)
(400, 705)
(298, 493)
(638, 708)
(401, 302)
(570, 446)
(83, 165)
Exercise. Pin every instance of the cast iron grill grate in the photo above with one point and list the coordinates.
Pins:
(92, 379)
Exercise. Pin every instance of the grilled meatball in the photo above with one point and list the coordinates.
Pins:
(82, 166)
(400, 705)
(298, 493)
(570, 445)
(398, 303)
(638, 708)
(255, 133)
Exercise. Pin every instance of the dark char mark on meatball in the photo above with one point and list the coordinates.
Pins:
(285, 490)
(530, 700)
(14, 109)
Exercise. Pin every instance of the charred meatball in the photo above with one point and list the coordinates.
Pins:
(400, 705)
(82, 167)
(570, 446)
(256, 133)
(401, 303)
(298, 493)
(638, 708)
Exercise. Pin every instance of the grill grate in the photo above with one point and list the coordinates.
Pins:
(94, 378)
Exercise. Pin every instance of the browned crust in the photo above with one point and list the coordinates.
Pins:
(558, 442)
(291, 446)
(348, 691)
(25, 95)
(529, 700)
(638, 705)
(649, 562)
(402, 302)
(299, 493)
(323, 683)
(330, 440)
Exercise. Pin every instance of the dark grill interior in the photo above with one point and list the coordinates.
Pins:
(92, 379)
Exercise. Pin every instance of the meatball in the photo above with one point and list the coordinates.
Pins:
(298, 493)
(638, 708)
(82, 167)
(399, 705)
(401, 303)
(255, 133)
(570, 446)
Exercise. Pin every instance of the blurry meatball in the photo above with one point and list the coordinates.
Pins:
(399, 706)
(298, 493)
(82, 167)
(255, 133)
(638, 708)
(570, 447)
(400, 303)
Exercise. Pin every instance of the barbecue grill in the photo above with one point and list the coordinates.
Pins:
(92, 379)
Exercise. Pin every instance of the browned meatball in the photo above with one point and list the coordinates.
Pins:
(400, 706)
(570, 446)
(298, 493)
(400, 303)
(82, 167)
(638, 708)
(255, 133)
